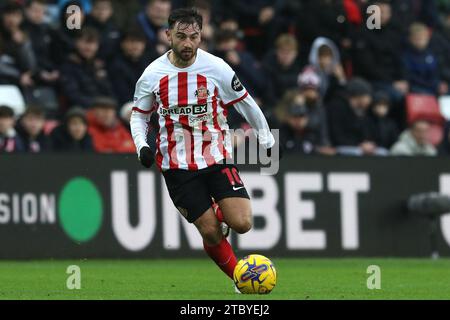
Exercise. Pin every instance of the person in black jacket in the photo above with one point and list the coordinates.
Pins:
(30, 128)
(384, 128)
(129, 65)
(377, 56)
(282, 66)
(39, 33)
(350, 127)
(101, 19)
(84, 76)
(72, 135)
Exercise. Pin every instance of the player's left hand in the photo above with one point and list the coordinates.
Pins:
(280, 150)
(146, 157)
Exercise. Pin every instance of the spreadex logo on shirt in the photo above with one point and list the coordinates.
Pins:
(197, 109)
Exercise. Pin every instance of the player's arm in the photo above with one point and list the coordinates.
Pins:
(251, 112)
(234, 93)
(139, 121)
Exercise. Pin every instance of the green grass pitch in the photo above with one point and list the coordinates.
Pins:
(200, 279)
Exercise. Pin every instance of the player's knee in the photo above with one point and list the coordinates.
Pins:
(244, 224)
(211, 234)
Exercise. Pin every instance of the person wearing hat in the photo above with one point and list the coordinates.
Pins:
(296, 134)
(72, 135)
(108, 132)
(309, 84)
(350, 127)
(9, 140)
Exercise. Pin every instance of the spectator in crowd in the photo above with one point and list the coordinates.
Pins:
(72, 135)
(100, 19)
(63, 37)
(349, 121)
(16, 44)
(9, 140)
(129, 65)
(444, 148)
(414, 141)
(377, 56)
(153, 23)
(108, 133)
(246, 66)
(309, 84)
(384, 128)
(421, 63)
(260, 22)
(39, 33)
(298, 132)
(326, 60)
(84, 76)
(282, 66)
(31, 130)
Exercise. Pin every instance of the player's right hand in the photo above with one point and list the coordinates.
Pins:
(146, 157)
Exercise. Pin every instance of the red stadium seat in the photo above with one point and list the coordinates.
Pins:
(426, 107)
(423, 107)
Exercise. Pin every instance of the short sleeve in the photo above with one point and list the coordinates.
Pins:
(143, 96)
(232, 90)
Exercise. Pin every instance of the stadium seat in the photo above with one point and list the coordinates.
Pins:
(423, 107)
(444, 105)
(426, 107)
(11, 96)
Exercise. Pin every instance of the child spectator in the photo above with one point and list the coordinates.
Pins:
(421, 63)
(72, 135)
(108, 133)
(9, 140)
(101, 19)
(414, 141)
(385, 129)
(326, 60)
(31, 130)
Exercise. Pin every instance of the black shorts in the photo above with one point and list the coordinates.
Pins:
(191, 191)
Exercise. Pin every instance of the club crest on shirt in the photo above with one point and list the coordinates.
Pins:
(202, 93)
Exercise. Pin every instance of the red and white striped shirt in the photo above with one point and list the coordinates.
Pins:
(192, 105)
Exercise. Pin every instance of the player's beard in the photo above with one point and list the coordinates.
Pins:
(184, 55)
